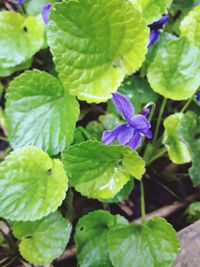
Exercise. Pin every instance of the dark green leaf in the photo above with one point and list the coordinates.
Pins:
(91, 238)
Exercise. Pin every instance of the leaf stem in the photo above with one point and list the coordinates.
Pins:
(186, 104)
(142, 202)
(164, 102)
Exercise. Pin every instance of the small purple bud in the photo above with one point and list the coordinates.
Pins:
(158, 25)
(198, 96)
(45, 12)
(154, 36)
(145, 111)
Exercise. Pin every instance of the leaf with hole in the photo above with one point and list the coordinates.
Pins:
(91, 238)
(32, 185)
(20, 38)
(43, 240)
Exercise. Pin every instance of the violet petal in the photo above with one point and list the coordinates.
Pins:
(110, 136)
(125, 134)
(140, 122)
(123, 105)
(135, 141)
(45, 12)
(154, 36)
(147, 133)
(158, 25)
(198, 96)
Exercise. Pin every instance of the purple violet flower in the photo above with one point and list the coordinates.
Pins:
(158, 25)
(155, 29)
(154, 36)
(45, 12)
(198, 96)
(17, 2)
(129, 134)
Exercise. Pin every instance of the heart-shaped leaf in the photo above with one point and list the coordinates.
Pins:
(152, 244)
(101, 171)
(32, 185)
(190, 26)
(39, 112)
(20, 38)
(91, 238)
(43, 240)
(174, 72)
(95, 44)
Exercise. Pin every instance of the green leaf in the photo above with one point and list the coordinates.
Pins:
(175, 71)
(122, 194)
(179, 9)
(94, 130)
(193, 212)
(190, 134)
(109, 121)
(39, 112)
(152, 10)
(32, 185)
(78, 136)
(178, 151)
(95, 43)
(20, 38)
(91, 238)
(101, 171)
(8, 71)
(152, 244)
(190, 26)
(152, 52)
(183, 6)
(44, 240)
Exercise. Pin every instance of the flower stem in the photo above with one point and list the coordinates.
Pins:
(186, 105)
(159, 119)
(142, 202)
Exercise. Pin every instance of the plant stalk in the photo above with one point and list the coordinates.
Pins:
(159, 119)
(186, 105)
(142, 202)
